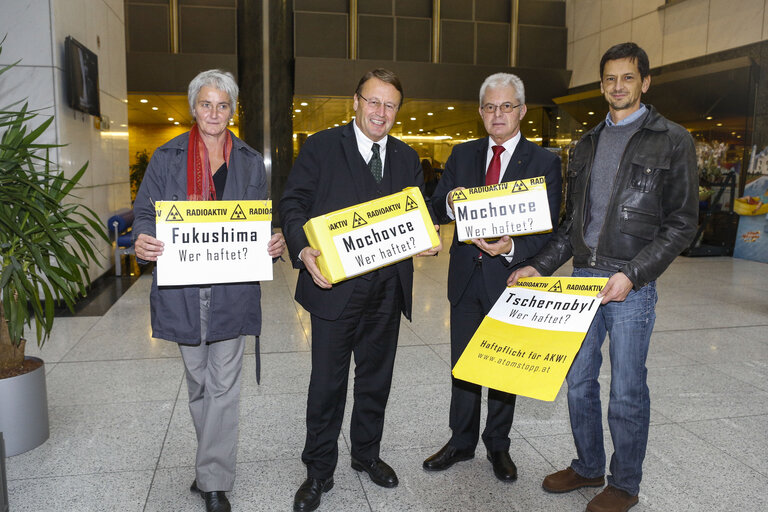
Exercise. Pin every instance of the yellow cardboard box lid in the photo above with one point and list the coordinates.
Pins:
(371, 235)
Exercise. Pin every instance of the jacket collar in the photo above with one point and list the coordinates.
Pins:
(653, 121)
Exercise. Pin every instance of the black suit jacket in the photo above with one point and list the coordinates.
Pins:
(466, 168)
(326, 177)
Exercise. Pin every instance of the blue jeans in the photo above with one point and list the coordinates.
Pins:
(629, 324)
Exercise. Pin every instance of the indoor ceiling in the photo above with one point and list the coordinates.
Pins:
(416, 119)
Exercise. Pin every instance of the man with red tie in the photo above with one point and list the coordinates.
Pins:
(477, 272)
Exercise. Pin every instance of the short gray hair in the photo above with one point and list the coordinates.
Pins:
(218, 79)
(503, 80)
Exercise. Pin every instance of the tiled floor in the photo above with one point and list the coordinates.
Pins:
(121, 437)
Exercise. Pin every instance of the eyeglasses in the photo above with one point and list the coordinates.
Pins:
(490, 108)
(375, 104)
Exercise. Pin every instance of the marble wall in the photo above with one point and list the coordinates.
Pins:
(676, 32)
(34, 33)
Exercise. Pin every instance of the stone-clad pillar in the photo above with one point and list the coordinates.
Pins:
(265, 66)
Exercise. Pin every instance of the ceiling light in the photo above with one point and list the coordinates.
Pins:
(413, 119)
(719, 124)
(421, 129)
(530, 122)
(154, 108)
(142, 100)
(708, 118)
(170, 119)
(429, 113)
(410, 133)
(297, 110)
(176, 122)
(558, 118)
(450, 108)
(584, 123)
(304, 103)
(591, 113)
(534, 129)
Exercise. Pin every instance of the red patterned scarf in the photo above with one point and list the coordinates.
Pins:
(199, 176)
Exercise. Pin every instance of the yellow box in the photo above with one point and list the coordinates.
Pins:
(371, 235)
(511, 208)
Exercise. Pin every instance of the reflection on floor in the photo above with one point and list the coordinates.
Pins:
(121, 437)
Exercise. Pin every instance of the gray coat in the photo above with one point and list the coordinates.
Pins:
(235, 308)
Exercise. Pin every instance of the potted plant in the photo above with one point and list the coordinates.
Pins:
(45, 251)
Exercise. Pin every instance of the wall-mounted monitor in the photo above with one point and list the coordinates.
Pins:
(82, 72)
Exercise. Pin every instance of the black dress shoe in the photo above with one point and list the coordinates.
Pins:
(503, 467)
(215, 501)
(308, 496)
(379, 471)
(447, 457)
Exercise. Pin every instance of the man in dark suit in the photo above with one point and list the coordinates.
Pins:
(337, 168)
(477, 272)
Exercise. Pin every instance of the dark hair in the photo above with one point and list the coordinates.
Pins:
(384, 75)
(627, 51)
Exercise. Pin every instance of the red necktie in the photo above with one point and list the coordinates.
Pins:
(494, 169)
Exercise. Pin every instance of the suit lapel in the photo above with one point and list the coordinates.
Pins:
(480, 158)
(354, 160)
(518, 162)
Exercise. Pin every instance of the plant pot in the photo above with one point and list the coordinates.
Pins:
(24, 411)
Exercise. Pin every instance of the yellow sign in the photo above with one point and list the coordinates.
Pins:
(208, 242)
(371, 235)
(527, 342)
(509, 208)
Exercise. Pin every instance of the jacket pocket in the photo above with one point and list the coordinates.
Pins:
(639, 223)
(647, 172)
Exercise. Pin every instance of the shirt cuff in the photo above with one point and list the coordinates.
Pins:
(510, 255)
(448, 210)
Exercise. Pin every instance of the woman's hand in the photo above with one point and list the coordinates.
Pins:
(148, 248)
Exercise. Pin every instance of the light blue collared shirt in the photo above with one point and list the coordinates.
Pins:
(634, 116)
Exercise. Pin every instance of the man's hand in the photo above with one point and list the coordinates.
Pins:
(308, 256)
(528, 271)
(501, 246)
(434, 250)
(276, 245)
(148, 248)
(616, 289)
(450, 197)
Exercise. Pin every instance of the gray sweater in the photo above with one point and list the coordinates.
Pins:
(610, 147)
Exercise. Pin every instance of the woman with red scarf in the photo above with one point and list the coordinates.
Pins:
(208, 322)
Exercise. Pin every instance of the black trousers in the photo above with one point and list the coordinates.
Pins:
(466, 317)
(368, 328)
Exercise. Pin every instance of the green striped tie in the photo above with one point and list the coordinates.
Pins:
(374, 164)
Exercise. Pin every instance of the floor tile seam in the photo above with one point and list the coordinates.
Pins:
(431, 347)
(79, 475)
(718, 448)
(64, 355)
(95, 404)
(657, 329)
(163, 443)
(713, 328)
(721, 372)
(736, 416)
(85, 361)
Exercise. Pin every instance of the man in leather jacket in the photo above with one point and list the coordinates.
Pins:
(632, 207)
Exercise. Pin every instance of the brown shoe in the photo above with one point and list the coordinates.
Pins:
(612, 500)
(568, 480)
